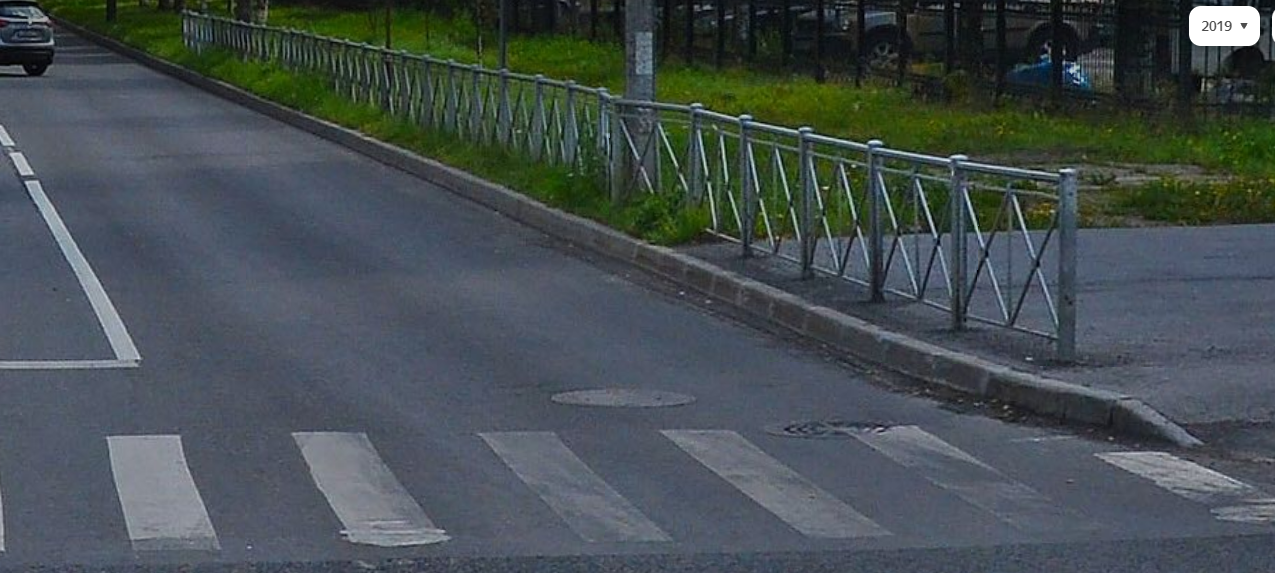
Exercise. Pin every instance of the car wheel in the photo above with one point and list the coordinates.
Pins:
(1041, 46)
(35, 69)
(881, 50)
(1246, 63)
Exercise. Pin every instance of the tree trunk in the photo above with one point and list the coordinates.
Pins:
(243, 10)
(260, 12)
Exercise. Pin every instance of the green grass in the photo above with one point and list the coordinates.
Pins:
(875, 111)
(1244, 150)
(1181, 203)
(661, 220)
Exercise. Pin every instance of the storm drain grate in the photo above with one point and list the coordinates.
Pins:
(823, 429)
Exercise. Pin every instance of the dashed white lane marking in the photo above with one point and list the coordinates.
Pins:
(20, 163)
(968, 478)
(107, 316)
(782, 491)
(1228, 498)
(162, 507)
(371, 504)
(5, 140)
(583, 500)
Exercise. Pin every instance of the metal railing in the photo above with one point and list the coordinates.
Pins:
(983, 242)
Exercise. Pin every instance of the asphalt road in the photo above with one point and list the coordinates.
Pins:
(336, 356)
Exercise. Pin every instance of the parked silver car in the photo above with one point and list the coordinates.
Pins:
(26, 36)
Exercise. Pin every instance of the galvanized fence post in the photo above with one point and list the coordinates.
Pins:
(616, 150)
(387, 80)
(571, 129)
(604, 133)
(476, 105)
(809, 202)
(748, 186)
(504, 121)
(695, 156)
(876, 231)
(429, 111)
(958, 254)
(1068, 221)
(538, 120)
(451, 114)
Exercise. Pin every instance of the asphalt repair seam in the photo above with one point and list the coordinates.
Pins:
(855, 337)
(126, 354)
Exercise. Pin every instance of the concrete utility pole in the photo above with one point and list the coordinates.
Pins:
(639, 42)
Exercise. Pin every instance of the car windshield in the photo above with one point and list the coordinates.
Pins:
(26, 11)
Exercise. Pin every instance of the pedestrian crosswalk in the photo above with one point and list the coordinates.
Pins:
(163, 507)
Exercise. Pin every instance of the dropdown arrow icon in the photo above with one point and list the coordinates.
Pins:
(1243, 24)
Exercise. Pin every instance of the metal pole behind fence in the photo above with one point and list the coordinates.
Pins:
(860, 31)
(640, 120)
(719, 39)
(1068, 221)
(1002, 48)
(593, 19)
(949, 36)
(504, 35)
(688, 39)
(901, 40)
(1186, 83)
(1056, 53)
(786, 33)
(752, 30)
(666, 28)
(820, 12)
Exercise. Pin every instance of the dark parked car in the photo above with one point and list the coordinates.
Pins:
(26, 36)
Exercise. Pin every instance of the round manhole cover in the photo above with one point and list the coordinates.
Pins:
(623, 398)
(824, 429)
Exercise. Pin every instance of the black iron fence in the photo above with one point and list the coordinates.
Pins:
(1132, 51)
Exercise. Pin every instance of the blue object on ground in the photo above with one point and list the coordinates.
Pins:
(1038, 75)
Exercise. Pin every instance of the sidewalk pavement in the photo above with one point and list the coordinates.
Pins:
(1182, 318)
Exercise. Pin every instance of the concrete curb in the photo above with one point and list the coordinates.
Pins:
(862, 340)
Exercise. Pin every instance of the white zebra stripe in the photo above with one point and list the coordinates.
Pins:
(583, 500)
(782, 491)
(162, 508)
(975, 482)
(371, 504)
(1228, 498)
